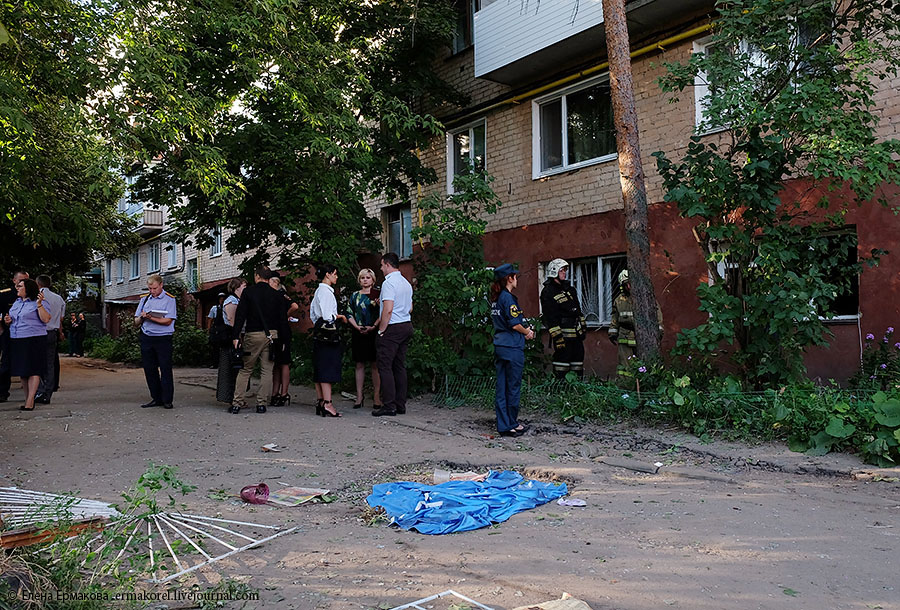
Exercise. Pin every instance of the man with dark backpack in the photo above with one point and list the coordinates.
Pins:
(219, 330)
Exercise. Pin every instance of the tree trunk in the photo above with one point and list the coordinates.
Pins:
(631, 174)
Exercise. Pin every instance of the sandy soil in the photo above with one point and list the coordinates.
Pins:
(740, 527)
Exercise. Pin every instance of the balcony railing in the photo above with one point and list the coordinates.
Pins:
(150, 222)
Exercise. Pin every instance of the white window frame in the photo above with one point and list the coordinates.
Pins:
(135, 265)
(153, 257)
(405, 248)
(606, 287)
(193, 283)
(109, 272)
(216, 248)
(451, 155)
(172, 250)
(120, 265)
(536, 171)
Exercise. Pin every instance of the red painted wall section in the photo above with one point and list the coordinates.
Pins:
(678, 268)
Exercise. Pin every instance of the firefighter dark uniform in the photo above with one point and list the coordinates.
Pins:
(621, 326)
(564, 322)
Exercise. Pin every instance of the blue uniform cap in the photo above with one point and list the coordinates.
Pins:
(504, 271)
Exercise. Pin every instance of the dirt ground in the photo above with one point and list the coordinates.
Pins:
(719, 526)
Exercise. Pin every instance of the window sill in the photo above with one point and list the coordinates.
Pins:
(134, 277)
(152, 271)
(710, 131)
(215, 255)
(575, 167)
(840, 320)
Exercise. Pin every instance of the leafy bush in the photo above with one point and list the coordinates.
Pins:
(454, 333)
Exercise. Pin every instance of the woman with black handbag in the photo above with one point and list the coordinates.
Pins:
(326, 339)
(229, 364)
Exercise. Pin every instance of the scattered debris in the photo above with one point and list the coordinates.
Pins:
(418, 604)
(566, 602)
(255, 494)
(270, 447)
(571, 502)
(23, 507)
(442, 476)
(191, 535)
(295, 496)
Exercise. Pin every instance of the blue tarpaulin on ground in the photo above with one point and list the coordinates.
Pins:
(459, 506)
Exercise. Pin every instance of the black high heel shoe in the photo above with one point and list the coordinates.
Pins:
(319, 408)
(326, 412)
(284, 400)
(359, 405)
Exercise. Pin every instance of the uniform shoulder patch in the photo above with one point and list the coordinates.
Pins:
(146, 294)
(514, 311)
(169, 293)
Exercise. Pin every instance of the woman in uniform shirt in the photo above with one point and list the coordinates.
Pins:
(27, 322)
(323, 314)
(511, 330)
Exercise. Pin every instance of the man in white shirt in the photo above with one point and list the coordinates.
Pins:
(50, 379)
(394, 333)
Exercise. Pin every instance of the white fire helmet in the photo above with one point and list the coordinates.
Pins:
(623, 277)
(554, 267)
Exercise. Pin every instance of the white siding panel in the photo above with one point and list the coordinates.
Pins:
(509, 30)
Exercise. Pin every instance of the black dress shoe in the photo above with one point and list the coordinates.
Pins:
(234, 409)
(260, 408)
(383, 412)
(152, 403)
(42, 399)
(512, 433)
(168, 405)
(401, 411)
(4, 398)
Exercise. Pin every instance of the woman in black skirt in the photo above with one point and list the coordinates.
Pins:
(364, 320)
(326, 343)
(27, 323)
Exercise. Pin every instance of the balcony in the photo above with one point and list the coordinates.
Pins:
(150, 222)
(521, 42)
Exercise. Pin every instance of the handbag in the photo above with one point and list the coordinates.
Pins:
(236, 358)
(326, 332)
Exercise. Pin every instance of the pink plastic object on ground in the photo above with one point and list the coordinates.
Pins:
(255, 494)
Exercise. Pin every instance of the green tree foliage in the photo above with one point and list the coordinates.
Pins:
(279, 119)
(452, 313)
(57, 193)
(794, 81)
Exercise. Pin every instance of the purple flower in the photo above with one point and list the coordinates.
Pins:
(869, 337)
(643, 369)
(890, 329)
(897, 345)
(691, 357)
(885, 340)
(871, 376)
(882, 366)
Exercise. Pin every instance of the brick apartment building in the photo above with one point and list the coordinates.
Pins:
(527, 67)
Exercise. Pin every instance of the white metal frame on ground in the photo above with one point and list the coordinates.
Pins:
(425, 600)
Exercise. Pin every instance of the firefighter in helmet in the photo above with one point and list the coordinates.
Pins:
(621, 327)
(563, 320)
